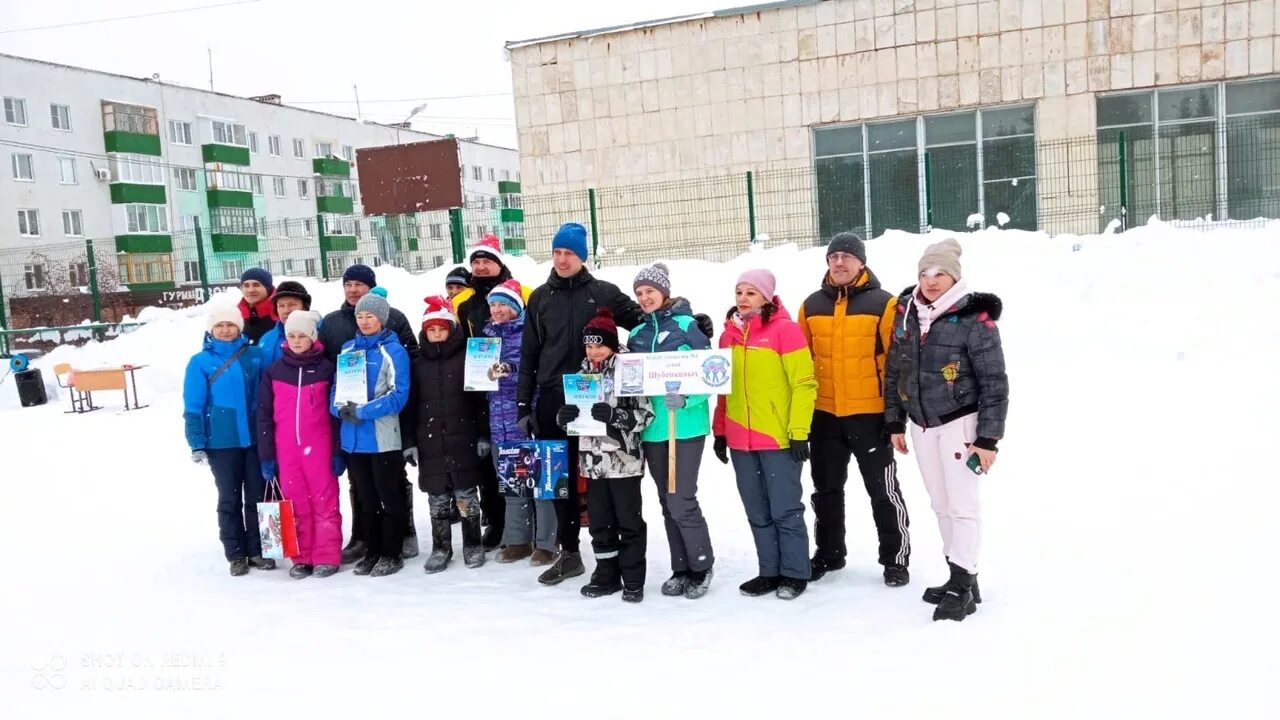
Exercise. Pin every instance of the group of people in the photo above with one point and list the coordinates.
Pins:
(840, 381)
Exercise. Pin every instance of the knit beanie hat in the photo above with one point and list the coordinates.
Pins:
(656, 276)
(379, 291)
(292, 289)
(375, 305)
(439, 312)
(361, 273)
(942, 257)
(226, 313)
(847, 242)
(761, 280)
(303, 321)
(510, 294)
(571, 237)
(490, 247)
(261, 275)
(601, 330)
(458, 276)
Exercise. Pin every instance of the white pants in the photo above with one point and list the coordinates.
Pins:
(953, 487)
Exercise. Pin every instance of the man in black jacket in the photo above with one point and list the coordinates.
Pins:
(339, 327)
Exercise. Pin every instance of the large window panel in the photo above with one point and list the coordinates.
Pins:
(841, 195)
(1253, 167)
(1188, 171)
(893, 166)
(951, 152)
(1140, 178)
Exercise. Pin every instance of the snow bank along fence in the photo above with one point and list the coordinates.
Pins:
(1199, 173)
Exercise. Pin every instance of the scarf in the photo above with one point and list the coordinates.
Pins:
(930, 311)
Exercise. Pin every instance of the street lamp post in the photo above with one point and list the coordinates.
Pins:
(404, 122)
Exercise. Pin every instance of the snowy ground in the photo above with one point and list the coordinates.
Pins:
(1127, 564)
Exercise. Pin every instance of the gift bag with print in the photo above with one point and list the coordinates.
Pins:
(276, 525)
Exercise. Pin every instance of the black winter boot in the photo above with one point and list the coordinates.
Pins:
(409, 548)
(676, 584)
(957, 600)
(257, 562)
(933, 595)
(821, 566)
(566, 565)
(791, 588)
(354, 550)
(472, 542)
(896, 575)
(633, 593)
(239, 567)
(441, 545)
(762, 585)
(492, 537)
(699, 582)
(605, 579)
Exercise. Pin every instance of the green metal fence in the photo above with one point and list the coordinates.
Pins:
(1194, 174)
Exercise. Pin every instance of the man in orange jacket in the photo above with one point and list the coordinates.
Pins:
(848, 323)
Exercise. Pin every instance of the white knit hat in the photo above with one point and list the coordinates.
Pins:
(303, 321)
(943, 257)
(226, 313)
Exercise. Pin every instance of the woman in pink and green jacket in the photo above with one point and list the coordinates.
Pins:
(765, 422)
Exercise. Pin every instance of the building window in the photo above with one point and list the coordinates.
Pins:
(1253, 149)
(34, 276)
(29, 223)
(227, 180)
(78, 274)
(506, 174)
(420, 264)
(23, 167)
(492, 177)
(462, 172)
(232, 268)
(72, 223)
(336, 265)
(187, 223)
(324, 149)
(190, 271)
(273, 145)
(146, 218)
(434, 231)
(309, 267)
(60, 116)
(233, 221)
(15, 111)
(303, 190)
(141, 169)
(308, 225)
(299, 148)
(255, 182)
(179, 132)
(277, 186)
(146, 268)
(227, 133)
(185, 179)
(253, 142)
(476, 172)
(348, 154)
(67, 171)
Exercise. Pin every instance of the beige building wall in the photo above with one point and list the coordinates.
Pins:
(723, 95)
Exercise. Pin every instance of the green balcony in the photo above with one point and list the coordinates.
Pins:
(118, 141)
(229, 242)
(147, 243)
(338, 243)
(341, 205)
(230, 198)
(229, 154)
(133, 193)
(332, 167)
(508, 187)
(411, 244)
(511, 215)
(513, 246)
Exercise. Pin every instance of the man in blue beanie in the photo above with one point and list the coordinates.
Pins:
(256, 286)
(571, 237)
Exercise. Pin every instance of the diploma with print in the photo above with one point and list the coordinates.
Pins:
(482, 355)
(584, 391)
(695, 372)
(349, 384)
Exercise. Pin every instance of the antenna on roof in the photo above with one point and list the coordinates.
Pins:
(210, 68)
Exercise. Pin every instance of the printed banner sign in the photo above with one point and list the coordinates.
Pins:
(350, 384)
(537, 469)
(584, 391)
(483, 366)
(694, 372)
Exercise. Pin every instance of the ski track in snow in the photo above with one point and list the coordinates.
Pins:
(1127, 553)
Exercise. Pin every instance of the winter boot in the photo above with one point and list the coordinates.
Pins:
(257, 562)
(324, 571)
(441, 545)
(957, 599)
(896, 575)
(675, 585)
(632, 593)
(492, 537)
(542, 558)
(387, 566)
(821, 566)
(514, 553)
(354, 550)
(605, 579)
(567, 565)
(297, 572)
(239, 566)
(409, 548)
(933, 595)
(761, 585)
(365, 565)
(699, 582)
(472, 545)
(790, 588)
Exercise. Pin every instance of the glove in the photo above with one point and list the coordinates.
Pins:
(338, 465)
(483, 447)
(528, 425)
(567, 414)
(721, 448)
(270, 470)
(674, 401)
(707, 327)
(411, 456)
(199, 457)
(799, 450)
(613, 417)
(348, 413)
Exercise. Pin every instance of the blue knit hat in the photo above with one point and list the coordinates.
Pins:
(361, 273)
(571, 237)
(261, 275)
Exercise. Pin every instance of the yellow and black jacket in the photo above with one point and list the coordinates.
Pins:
(849, 329)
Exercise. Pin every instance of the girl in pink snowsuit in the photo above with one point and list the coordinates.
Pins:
(298, 443)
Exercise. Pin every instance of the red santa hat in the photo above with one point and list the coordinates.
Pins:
(490, 247)
(439, 311)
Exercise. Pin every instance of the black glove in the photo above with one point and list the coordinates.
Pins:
(567, 414)
(721, 448)
(348, 413)
(411, 456)
(613, 417)
(707, 327)
(799, 450)
(528, 425)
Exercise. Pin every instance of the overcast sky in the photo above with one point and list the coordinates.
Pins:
(316, 50)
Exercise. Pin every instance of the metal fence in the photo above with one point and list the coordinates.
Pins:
(1201, 174)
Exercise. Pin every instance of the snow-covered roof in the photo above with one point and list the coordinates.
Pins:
(730, 12)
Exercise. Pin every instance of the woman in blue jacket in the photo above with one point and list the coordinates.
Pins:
(373, 439)
(220, 397)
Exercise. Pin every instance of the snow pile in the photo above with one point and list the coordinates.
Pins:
(1127, 561)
